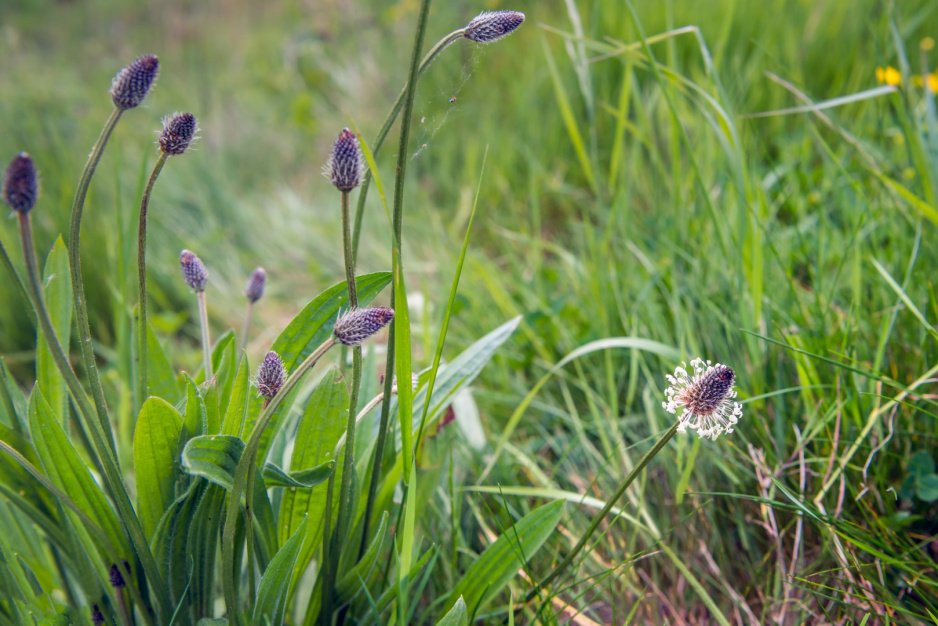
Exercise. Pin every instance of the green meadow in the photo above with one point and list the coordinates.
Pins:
(614, 189)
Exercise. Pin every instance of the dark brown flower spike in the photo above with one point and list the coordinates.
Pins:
(178, 133)
(133, 83)
(359, 324)
(21, 184)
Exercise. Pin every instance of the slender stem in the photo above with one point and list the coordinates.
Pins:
(434, 52)
(142, 332)
(247, 327)
(206, 340)
(248, 462)
(78, 286)
(610, 503)
(398, 222)
(122, 608)
(345, 489)
(105, 454)
(8, 263)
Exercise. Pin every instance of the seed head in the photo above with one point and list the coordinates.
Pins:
(360, 324)
(490, 26)
(255, 287)
(345, 166)
(270, 375)
(705, 398)
(133, 83)
(21, 184)
(178, 132)
(96, 616)
(193, 270)
(117, 579)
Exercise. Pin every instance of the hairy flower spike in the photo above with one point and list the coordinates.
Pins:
(490, 26)
(345, 166)
(705, 397)
(133, 83)
(21, 184)
(193, 270)
(270, 375)
(255, 287)
(96, 616)
(359, 324)
(178, 132)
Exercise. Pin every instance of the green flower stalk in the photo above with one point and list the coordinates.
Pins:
(179, 131)
(345, 168)
(128, 90)
(196, 276)
(254, 292)
(705, 401)
(485, 28)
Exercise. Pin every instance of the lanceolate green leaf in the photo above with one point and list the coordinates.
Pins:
(274, 590)
(204, 532)
(317, 434)
(170, 543)
(502, 560)
(457, 615)
(303, 479)
(155, 443)
(236, 413)
(225, 364)
(161, 378)
(57, 291)
(309, 329)
(215, 457)
(64, 467)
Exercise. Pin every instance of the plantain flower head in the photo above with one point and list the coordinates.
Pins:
(345, 166)
(193, 270)
(490, 26)
(133, 83)
(270, 375)
(21, 184)
(359, 324)
(704, 397)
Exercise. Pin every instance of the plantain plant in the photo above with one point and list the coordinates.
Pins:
(203, 526)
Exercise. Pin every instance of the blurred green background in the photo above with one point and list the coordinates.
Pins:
(609, 207)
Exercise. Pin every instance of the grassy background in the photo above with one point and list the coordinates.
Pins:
(616, 202)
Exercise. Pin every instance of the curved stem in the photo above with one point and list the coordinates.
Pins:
(142, 332)
(247, 463)
(398, 223)
(112, 476)
(206, 340)
(563, 566)
(78, 286)
(434, 52)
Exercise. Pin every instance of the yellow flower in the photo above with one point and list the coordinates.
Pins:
(926, 44)
(933, 82)
(888, 75)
